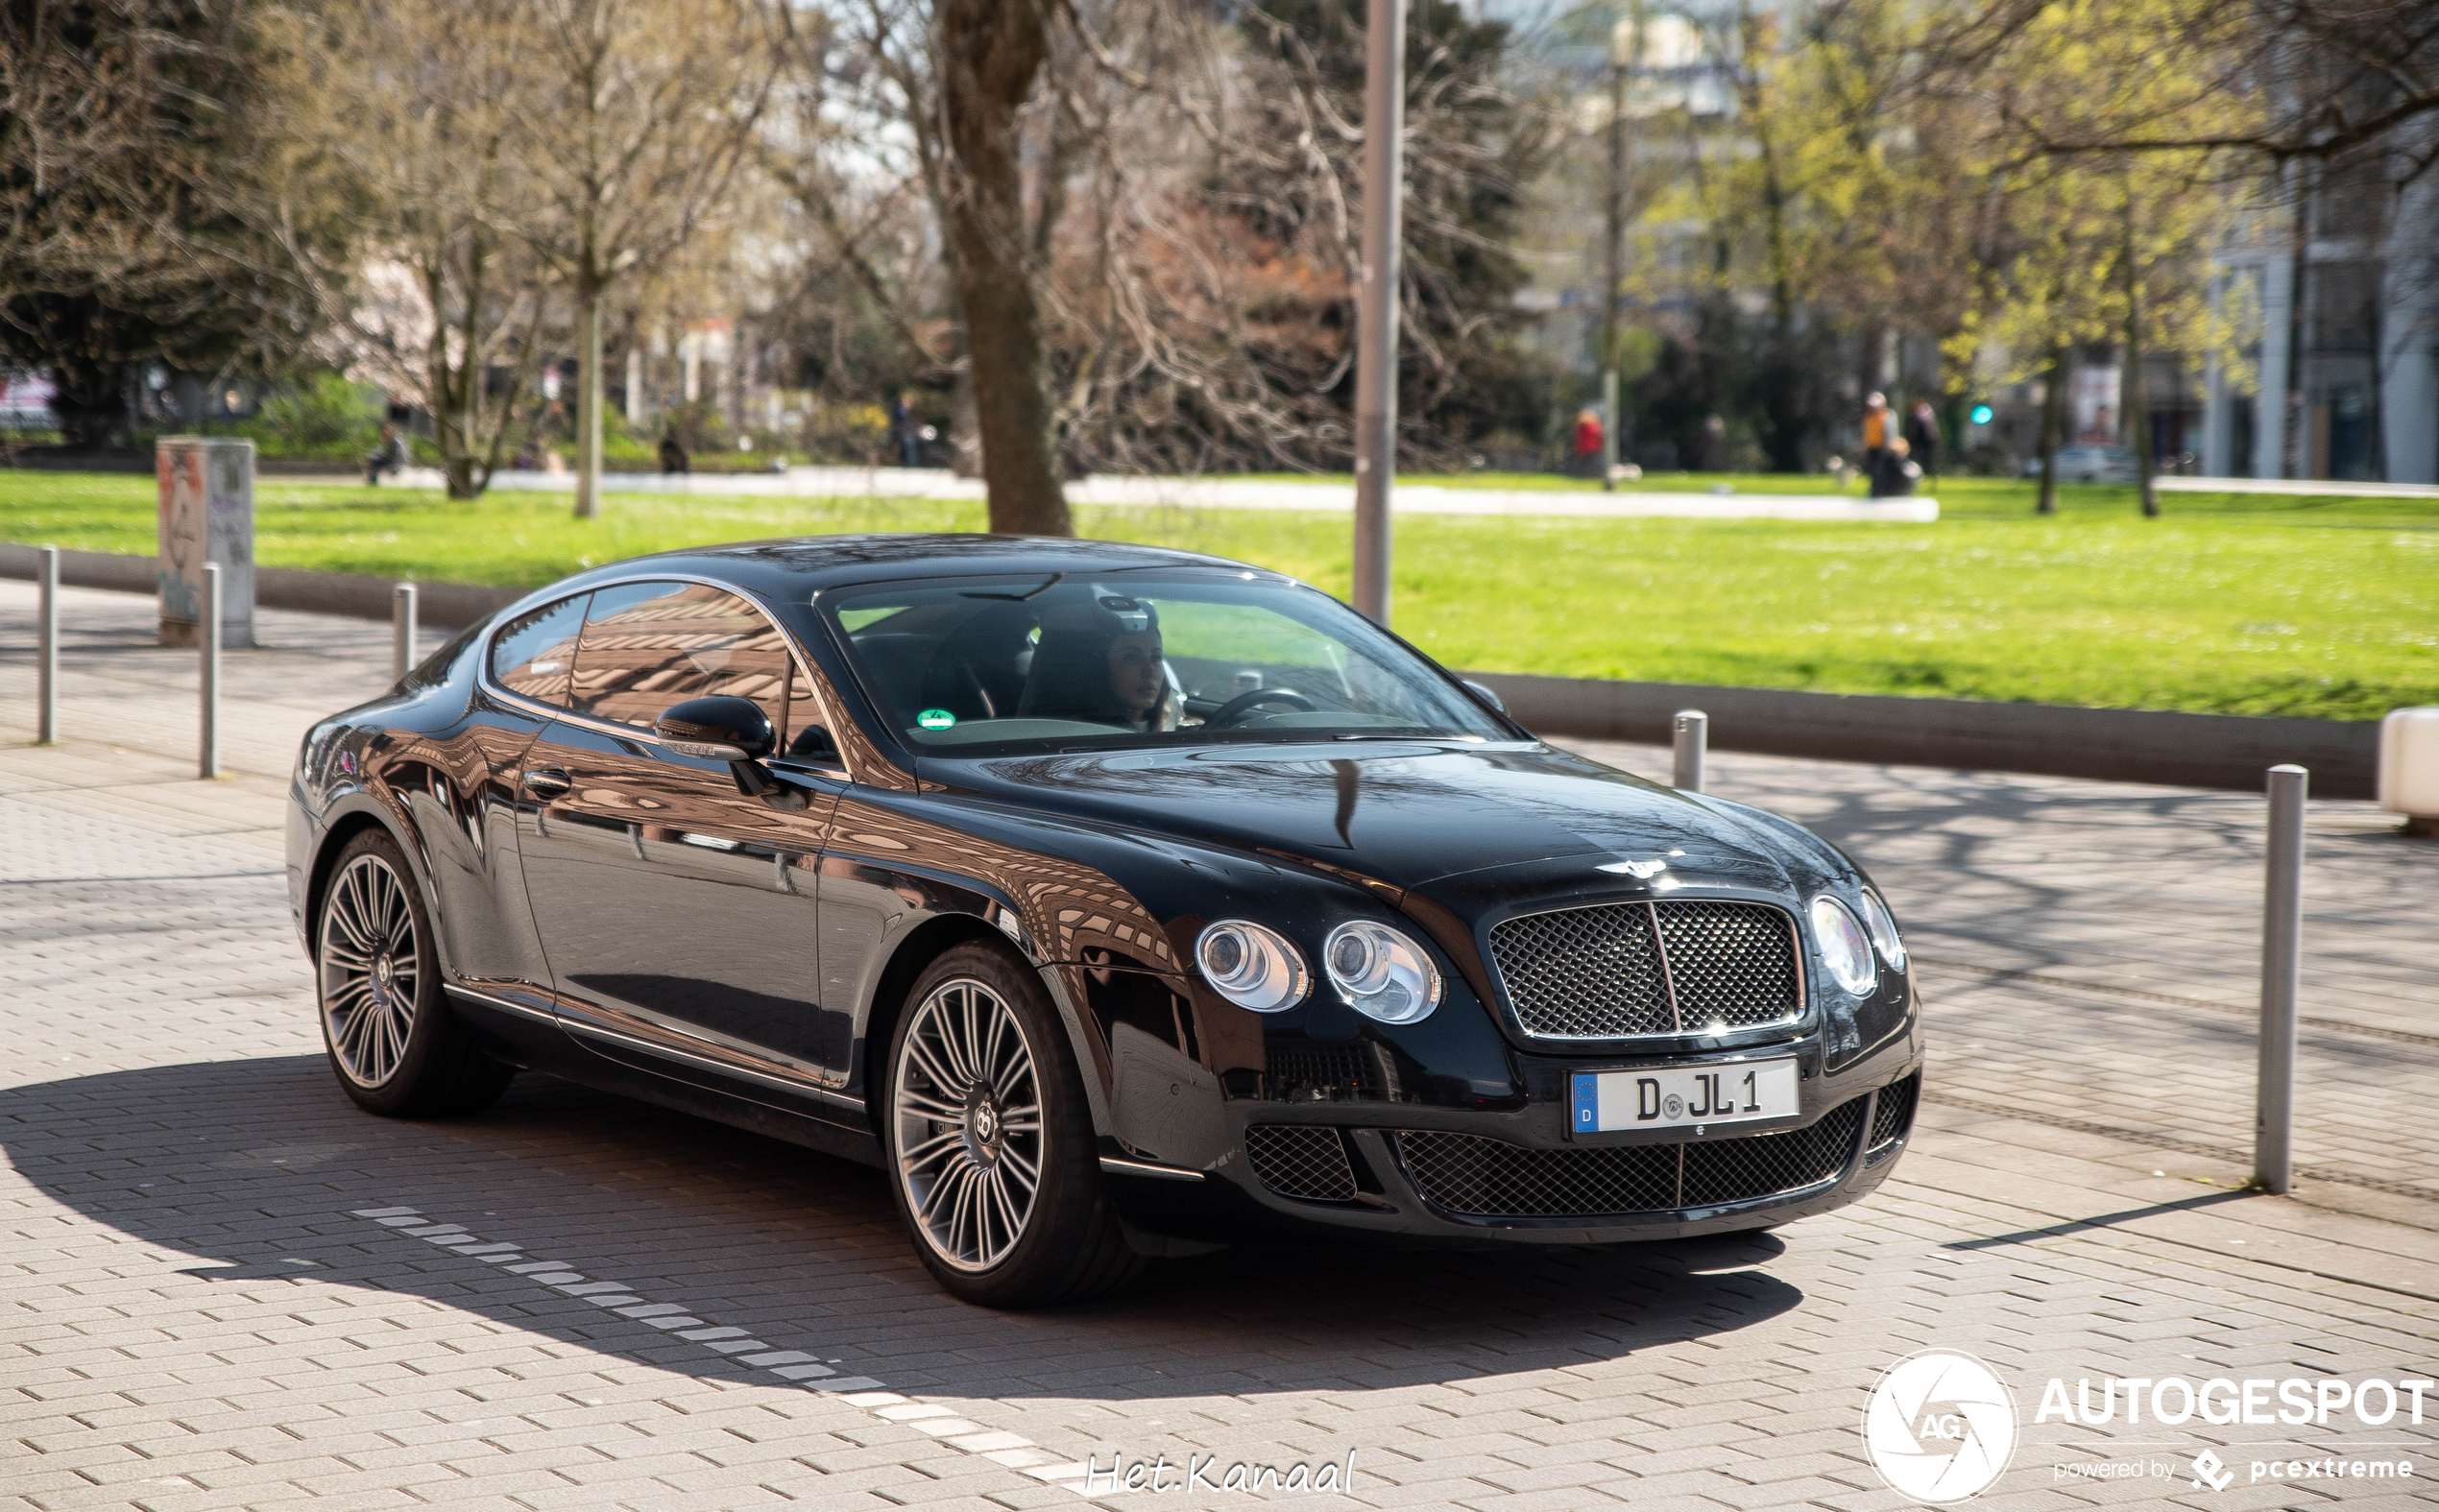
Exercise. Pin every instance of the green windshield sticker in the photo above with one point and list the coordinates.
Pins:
(935, 719)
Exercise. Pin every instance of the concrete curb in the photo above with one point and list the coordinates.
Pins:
(439, 606)
(2131, 745)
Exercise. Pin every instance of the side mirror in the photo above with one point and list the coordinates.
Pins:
(722, 729)
(1486, 695)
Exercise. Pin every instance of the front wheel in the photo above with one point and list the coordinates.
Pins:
(397, 1048)
(992, 1156)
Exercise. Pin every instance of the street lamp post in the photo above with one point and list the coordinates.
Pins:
(1622, 52)
(1376, 312)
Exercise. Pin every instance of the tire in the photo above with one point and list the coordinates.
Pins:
(981, 1091)
(394, 1044)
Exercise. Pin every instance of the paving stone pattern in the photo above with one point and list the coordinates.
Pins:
(196, 1312)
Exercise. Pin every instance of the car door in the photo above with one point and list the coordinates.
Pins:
(676, 911)
(482, 912)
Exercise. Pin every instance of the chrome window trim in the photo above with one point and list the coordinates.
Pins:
(802, 661)
(1742, 1035)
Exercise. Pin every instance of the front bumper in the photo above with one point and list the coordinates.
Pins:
(1520, 1179)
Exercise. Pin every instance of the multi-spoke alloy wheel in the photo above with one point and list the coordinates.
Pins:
(396, 1046)
(372, 971)
(968, 1111)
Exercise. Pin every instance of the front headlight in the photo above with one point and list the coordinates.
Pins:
(1250, 966)
(1844, 949)
(1884, 930)
(1383, 974)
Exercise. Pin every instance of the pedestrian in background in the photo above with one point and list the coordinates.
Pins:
(389, 455)
(1876, 432)
(1922, 437)
(902, 424)
(1587, 444)
(673, 457)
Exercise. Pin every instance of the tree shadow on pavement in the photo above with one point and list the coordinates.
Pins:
(253, 1167)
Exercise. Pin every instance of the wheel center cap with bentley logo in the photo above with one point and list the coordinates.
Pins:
(982, 1118)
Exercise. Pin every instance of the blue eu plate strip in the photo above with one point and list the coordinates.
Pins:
(1586, 1093)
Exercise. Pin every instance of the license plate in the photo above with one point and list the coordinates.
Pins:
(1605, 1101)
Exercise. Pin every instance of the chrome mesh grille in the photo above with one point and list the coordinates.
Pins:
(1617, 970)
(1892, 1118)
(1585, 974)
(1301, 1160)
(1728, 963)
(1478, 1177)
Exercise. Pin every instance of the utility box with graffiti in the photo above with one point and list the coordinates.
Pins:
(207, 515)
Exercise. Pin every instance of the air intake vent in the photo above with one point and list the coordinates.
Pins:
(1478, 1177)
(1301, 1160)
(1891, 1118)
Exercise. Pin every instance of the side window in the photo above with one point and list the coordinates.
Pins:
(532, 654)
(649, 645)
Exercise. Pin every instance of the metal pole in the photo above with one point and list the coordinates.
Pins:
(1693, 732)
(1376, 315)
(207, 763)
(401, 630)
(1622, 47)
(46, 721)
(2282, 969)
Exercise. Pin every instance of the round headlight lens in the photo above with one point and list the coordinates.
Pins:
(1884, 930)
(1252, 967)
(1844, 949)
(1383, 974)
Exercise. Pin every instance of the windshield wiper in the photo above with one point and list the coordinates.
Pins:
(1056, 577)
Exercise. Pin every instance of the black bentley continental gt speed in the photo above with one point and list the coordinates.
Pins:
(1118, 903)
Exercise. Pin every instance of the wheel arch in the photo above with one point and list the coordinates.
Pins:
(934, 938)
(342, 829)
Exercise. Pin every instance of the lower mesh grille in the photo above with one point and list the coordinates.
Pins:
(1468, 1174)
(1895, 1116)
(1301, 1160)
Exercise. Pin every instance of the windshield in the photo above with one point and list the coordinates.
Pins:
(989, 667)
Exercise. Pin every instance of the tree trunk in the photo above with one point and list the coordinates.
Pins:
(588, 404)
(990, 51)
(2053, 409)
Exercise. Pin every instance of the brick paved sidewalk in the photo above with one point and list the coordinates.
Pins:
(194, 1317)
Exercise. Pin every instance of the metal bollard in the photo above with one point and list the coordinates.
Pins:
(47, 632)
(1693, 733)
(207, 763)
(2281, 970)
(401, 630)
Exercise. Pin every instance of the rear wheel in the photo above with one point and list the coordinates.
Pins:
(992, 1158)
(395, 1045)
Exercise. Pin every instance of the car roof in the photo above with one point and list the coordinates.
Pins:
(796, 568)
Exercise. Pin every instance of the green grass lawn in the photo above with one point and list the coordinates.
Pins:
(2325, 608)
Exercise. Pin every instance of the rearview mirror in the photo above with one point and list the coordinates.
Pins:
(1486, 695)
(719, 728)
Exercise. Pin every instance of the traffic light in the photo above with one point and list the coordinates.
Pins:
(1981, 414)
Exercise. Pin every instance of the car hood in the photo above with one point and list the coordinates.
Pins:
(1406, 814)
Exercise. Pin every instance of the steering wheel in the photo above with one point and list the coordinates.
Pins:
(1229, 712)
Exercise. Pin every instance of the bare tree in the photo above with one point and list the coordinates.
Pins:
(639, 117)
(416, 96)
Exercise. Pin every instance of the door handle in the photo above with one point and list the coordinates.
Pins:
(547, 782)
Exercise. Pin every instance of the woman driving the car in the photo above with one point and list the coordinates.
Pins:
(1101, 663)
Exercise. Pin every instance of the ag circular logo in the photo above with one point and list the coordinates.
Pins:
(1941, 1426)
